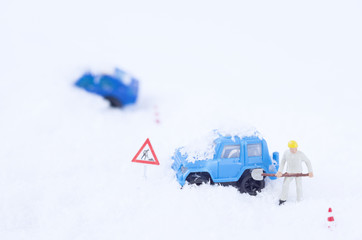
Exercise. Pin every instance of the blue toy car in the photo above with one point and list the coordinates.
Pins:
(111, 87)
(232, 162)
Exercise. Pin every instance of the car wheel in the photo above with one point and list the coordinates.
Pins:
(198, 178)
(114, 102)
(251, 186)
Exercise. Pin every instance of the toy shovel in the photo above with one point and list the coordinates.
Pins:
(257, 174)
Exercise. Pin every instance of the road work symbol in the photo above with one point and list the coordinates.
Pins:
(143, 155)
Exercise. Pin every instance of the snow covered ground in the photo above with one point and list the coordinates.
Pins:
(292, 70)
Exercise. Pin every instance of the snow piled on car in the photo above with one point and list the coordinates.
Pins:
(203, 148)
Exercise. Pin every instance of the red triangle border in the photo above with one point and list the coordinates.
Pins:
(152, 151)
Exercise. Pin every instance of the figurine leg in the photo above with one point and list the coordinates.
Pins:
(298, 182)
(285, 190)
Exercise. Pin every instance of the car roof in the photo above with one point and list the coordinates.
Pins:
(223, 139)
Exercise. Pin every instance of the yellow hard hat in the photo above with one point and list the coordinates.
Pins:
(292, 144)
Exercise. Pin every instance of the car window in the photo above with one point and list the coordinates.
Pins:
(254, 150)
(231, 151)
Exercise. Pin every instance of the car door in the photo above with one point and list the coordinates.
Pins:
(229, 162)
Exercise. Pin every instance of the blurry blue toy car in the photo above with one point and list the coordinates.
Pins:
(232, 160)
(119, 89)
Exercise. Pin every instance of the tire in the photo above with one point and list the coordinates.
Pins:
(114, 102)
(250, 186)
(198, 178)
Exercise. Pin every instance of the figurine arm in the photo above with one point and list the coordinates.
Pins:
(308, 164)
(281, 166)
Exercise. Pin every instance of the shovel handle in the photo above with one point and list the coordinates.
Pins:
(287, 174)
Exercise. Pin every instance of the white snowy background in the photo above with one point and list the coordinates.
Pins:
(292, 69)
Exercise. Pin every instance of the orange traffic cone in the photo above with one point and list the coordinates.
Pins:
(330, 219)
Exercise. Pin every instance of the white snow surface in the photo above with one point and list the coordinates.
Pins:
(290, 69)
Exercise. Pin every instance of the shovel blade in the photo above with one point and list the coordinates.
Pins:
(256, 174)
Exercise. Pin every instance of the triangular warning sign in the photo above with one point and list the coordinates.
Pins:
(146, 154)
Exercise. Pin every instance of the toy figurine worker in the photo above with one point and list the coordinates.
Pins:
(293, 158)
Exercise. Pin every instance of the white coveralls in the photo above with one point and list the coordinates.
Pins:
(294, 165)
